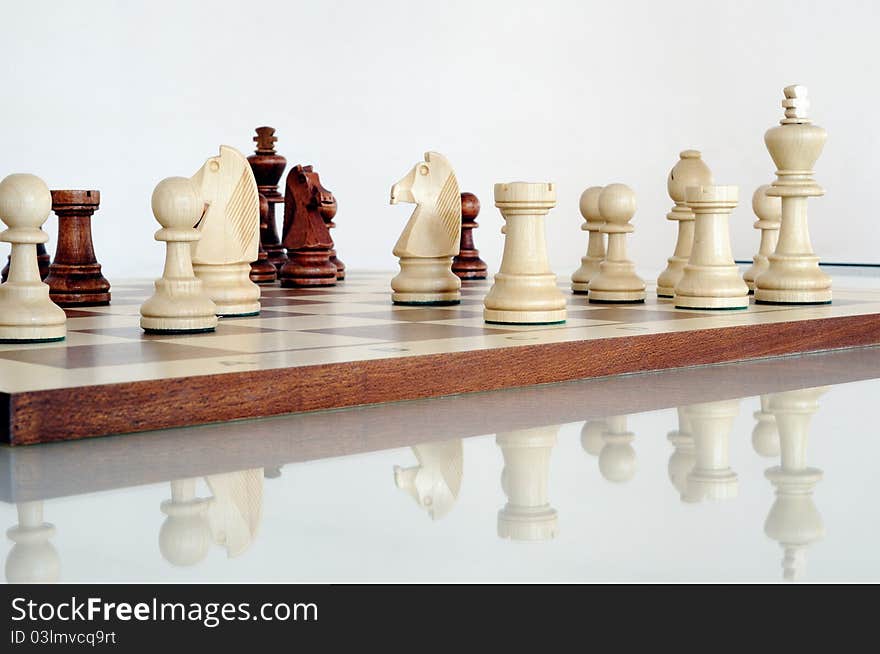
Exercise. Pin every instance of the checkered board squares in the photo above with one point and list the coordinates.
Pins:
(353, 321)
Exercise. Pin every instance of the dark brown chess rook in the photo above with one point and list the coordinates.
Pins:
(268, 167)
(262, 270)
(467, 263)
(328, 212)
(43, 260)
(305, 234)
(75, 277)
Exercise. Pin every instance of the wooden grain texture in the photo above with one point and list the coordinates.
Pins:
(56, 415)
(92, 465)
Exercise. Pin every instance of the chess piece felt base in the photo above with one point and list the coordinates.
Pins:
(580, 288)
(596, 299)
(617, 282)
(230, 288)
(799, 281)
(308, 268)
(187, 311)
(426, 281)
(580, 280)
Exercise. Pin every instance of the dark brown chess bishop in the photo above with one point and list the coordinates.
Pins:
(262, 270)
(467, 263)
(268, 167)
(75, 277)
(305, 234)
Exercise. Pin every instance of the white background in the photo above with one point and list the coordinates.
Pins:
(118, 95)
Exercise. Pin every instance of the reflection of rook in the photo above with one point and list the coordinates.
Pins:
(711, 477)
(527, 516)
(33, 559)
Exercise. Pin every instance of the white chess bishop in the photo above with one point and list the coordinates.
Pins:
(230, 233)
(26, 312)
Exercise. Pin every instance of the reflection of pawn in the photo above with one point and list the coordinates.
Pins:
(272, 472)
(768, 209)
(262, 271)
(617, 460)
(711, 477)
(793, 521)
(33, 559)
(185, 536)
(765, 435)
(711, 279)
(527, 516)
(591, 436)
(26, 312)
(683, 458)
(617, 280)
(689, 171)
(467, 263)
(435, 482)
(589, 206)
(179, 304)
(793, 275)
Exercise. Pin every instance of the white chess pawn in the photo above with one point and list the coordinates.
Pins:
(768, 209)
(683, 457)
(525, 290)
(180, 303)
(689, 171)
(33, 559)
(711, 477)
(617, 281)
(26, 312)
(794, 521)
(527, 516)
(711, 279)
(793, 275)
(589, 206)
(185, 536)
(436, 481)
(617, 460)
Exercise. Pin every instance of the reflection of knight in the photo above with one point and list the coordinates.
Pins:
(711, 477)
(527, 516)
(33, 559)
(435, 482)
(683, 457)
(793, 521)
(617, 460)
(765, 435)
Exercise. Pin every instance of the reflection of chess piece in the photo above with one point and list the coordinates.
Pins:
(236, 510)
(185, 536)
(617, 460)
(793, 521)
(683, 457)
(591, 436)
(711, 477)
(527, 516)
(33, 559)
(765, 435)
(435, 482)
(272, 472)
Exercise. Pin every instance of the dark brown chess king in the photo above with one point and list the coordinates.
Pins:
(467, 263)
(75, 277)
(262, 270)
(268, 167)
(305, 234)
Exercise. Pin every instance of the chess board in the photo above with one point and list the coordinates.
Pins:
(347, 345)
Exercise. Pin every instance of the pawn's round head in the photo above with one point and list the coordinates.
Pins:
(25, 201)
(690, 170)
(766, 207)
(470, 206)
(617, 203)
(177, 203)
(590, 204)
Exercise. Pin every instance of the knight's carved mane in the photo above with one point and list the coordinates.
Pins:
(438, 224)
(303, 223)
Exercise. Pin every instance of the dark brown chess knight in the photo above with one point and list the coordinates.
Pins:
(305, 234)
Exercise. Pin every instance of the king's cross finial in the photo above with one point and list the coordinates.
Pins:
(796, 104)
(265, 139)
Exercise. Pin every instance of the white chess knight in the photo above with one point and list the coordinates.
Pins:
(230, 232)
(26, 312)
(432, 235)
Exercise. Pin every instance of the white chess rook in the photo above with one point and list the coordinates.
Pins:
(589, 206)
(26, 312)
(793, 275)
(525, 290)
(768, 209)
(711, 278)
(689, 171)
(617, 281)
(179, 304)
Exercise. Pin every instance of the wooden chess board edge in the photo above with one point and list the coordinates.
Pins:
(65, 414)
